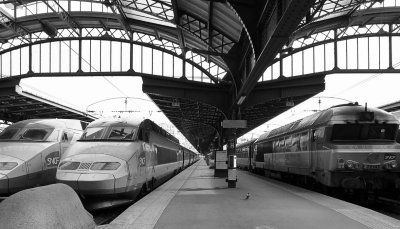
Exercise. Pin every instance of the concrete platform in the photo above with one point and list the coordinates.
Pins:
(195, 199)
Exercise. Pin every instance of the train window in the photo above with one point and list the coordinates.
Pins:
(92, 133)
(8, 134)
(122, 133)
(35, 134)
(374, 132)
(382, 131)
(288, 143)
(295, 143)
(304, 141)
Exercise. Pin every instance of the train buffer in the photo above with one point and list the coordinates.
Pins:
(196, 199)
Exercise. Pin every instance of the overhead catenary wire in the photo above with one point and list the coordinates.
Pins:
(364, 81)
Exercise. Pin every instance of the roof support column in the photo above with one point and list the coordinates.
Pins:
(335, 37)
(229, 134)
(30, 56)
(80, 53)
(390, 46)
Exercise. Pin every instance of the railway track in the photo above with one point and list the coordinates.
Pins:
(105, 216)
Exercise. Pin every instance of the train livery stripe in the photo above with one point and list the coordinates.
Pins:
(360, 214)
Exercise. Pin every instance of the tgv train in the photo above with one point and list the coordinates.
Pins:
(122, 158)
(30, 151)
(346, 146)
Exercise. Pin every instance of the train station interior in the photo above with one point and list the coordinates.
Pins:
(217, 69)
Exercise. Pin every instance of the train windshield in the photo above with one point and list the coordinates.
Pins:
(364, 132)
(122, 133)
(35, 134)
(93, 133)
(8, 134)
(109, 133)
(27, 134)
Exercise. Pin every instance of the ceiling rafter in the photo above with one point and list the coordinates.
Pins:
(9, 22)
(122, 19)
(181, 38)
(209, 25)
(63, 15)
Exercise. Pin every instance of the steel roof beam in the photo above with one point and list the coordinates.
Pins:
(122, 19)
(209, 26)
(283, 30)
(9, 22)
(181, 38)
(64, 15)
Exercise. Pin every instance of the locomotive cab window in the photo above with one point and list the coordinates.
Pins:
(373, 132)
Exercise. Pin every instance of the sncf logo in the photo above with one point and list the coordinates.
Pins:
(142, 160)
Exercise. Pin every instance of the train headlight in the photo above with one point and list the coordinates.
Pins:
(340, 163)
(352, 165)
(8, 165)
(69, 165)
(105, 166)
(390, 164)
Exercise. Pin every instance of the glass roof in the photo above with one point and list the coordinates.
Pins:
(158, 12)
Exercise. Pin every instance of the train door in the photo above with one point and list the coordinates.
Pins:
(316, 138)
(250, 154)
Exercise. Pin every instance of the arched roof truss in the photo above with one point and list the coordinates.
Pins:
(231, 44)
(29, 23)
(364, 41)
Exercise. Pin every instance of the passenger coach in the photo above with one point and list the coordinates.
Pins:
(30, 151)
(122, 158)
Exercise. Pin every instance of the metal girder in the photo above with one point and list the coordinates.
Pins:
(285, 88)
(181, 38)
(122, 17)
(283, 30)
(9, 22)
(215, 95)
(209, 25)
(64, 15)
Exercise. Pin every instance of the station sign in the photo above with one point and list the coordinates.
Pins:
(234, 123)
(221, 159)
(221, 156)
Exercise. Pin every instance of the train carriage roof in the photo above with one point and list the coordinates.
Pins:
(146, 124)
(346, 112)
(244, 144)
(50, 123)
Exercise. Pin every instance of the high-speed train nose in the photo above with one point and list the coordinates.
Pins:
(95, 183)
(89, 183)
(3, 184)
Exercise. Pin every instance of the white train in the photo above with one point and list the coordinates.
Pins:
(119, 159)
(30, 151)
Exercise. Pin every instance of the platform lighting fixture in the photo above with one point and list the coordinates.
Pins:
(241, 99)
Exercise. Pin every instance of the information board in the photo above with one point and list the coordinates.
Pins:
(221, 156)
